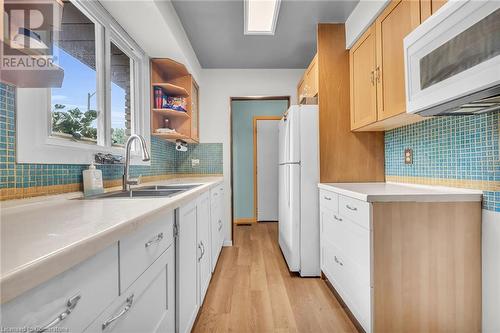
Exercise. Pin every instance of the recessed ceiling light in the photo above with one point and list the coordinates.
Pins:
(261, 16)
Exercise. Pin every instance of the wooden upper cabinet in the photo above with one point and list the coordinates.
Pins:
(387, 109)
(429, 7)
(392, 26)
(308, 85)
(362, 72)
(195, 111)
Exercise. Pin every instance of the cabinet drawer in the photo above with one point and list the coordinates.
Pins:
(348, 236)
(141, 248)
(356, 210)
(351, 284)
(147, 306)
(90, 287)
(329, 200)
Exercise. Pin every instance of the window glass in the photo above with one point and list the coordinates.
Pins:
(121, 101)
(73, 105)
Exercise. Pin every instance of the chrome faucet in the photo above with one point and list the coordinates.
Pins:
(127, 181)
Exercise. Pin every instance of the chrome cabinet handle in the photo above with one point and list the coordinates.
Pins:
(201, 252)
(70, 306)
(338, 261)
(128, 305)
(220, 225)
(337, 218)
(377, 71)
(155, 239)
(351, 208)
(327, 198)
(372, 77)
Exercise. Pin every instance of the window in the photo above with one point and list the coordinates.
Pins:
(73, 105)
(101, 100)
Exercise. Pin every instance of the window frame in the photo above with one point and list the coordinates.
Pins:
(35, 143)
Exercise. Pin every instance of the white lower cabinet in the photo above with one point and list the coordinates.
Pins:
(345, 252)
(204, 246)
(217, 222)
(187, 267)
(70, 301)
(148, 305)
(153, 280)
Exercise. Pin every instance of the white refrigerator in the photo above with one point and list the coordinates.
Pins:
(298, 189)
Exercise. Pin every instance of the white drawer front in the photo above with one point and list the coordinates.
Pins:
(351, 238)
(147, 306)
(95, 281)
(142, 247)
(329, 200)
(349, 283)
(355, 210)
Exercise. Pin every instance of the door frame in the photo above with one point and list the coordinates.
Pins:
(255, 186)
(247, 98)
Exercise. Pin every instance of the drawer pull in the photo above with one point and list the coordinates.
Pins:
(70, 306)
(351, 208)
(158, 238)
(128, 305)
(327, 198)
(338, 261)
(337, 218)
(220, 225)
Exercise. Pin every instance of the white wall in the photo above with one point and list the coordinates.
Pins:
(216, 88)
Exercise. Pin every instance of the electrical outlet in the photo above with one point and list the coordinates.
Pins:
(408, 156)
(195, 162)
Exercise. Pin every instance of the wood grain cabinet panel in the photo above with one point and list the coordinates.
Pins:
(363, 90)
(387, 109)
(397, 21)
(308, 84)
(429, 7)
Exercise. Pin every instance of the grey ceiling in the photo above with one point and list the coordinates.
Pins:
(215, 30)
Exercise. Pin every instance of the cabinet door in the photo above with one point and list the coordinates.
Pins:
(221, 216)
(362, 71)
(195, 111)
(312, 77)
(395, 22)
(301, 90)
(187, 265)
(429, 7)
(204, 246)
(147, 306)
(215, 226)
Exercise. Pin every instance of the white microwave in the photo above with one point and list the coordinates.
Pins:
(452, 60)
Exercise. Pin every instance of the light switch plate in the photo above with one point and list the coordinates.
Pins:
(195, 162)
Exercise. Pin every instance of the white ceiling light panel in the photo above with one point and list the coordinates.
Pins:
(261, 16)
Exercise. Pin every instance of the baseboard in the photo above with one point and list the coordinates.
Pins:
(246, 220)
(228, 243)
(343, 304)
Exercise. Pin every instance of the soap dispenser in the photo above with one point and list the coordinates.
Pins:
(92, 181)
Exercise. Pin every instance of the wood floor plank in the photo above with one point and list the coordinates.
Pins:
(253, 291)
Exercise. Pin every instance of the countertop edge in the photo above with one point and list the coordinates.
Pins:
(19, 280)
(467, 195)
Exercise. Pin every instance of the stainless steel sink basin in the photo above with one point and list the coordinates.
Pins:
(184, 187)
(150, 191)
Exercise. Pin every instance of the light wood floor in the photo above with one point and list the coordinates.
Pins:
(253, 291)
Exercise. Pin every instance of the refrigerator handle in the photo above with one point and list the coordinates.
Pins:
(289, 192)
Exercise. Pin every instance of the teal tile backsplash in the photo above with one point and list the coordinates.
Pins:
(460, 150)
(164, 158)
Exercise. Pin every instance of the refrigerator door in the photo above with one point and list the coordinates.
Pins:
(289, 214)
(283, 132)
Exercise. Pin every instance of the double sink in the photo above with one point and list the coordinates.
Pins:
(148, 191)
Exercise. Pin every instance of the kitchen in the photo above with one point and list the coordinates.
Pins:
(392, 218)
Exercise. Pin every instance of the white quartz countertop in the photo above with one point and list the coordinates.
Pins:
(390, 192)
(42, 237)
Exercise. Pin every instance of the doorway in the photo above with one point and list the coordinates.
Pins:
(266, 153)
(244, 159)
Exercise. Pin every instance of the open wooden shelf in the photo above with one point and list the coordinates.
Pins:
(172, 89)
(174, 80)
(172, 113)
